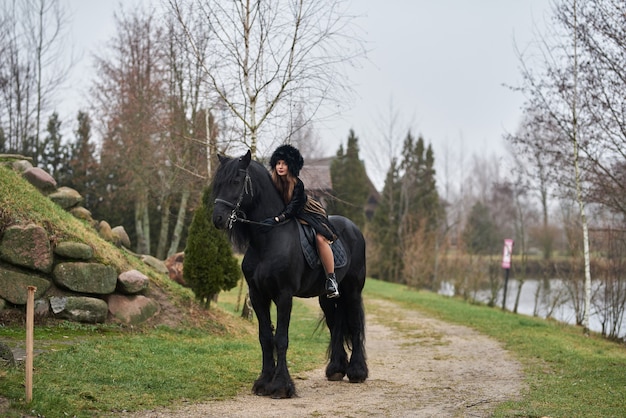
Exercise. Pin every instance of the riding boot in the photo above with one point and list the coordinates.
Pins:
(332, 288)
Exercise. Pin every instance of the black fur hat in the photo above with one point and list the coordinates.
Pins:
(289, 155)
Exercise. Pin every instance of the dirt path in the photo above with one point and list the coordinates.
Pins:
(419, 367)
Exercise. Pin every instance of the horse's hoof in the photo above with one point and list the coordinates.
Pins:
(282, 394)
(356, 380)
(336, 377)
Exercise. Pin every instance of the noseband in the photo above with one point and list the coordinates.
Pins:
(237, 214)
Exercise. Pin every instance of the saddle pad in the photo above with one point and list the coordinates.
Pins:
(307, 242)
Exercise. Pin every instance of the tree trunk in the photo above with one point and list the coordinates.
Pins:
(165, 228)
(579, 196)
(180, 223)
(142, 222)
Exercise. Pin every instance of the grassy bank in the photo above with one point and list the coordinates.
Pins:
(568, 374)
(91, 371)
(88, 371)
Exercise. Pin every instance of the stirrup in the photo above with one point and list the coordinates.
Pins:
(332, 288)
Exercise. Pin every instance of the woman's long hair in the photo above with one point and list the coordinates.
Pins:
(285, 185)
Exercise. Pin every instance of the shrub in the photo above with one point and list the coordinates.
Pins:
(209, 265)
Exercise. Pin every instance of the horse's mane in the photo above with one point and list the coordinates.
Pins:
(262, 194)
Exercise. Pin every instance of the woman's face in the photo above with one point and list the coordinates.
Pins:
(281, 168)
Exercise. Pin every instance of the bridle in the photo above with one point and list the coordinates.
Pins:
(236, 214)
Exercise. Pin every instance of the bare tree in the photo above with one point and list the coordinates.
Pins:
(130, 97)
(556, 95)
(31, 42)
(272, 62)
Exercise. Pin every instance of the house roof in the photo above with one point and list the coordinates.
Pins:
(316, 174)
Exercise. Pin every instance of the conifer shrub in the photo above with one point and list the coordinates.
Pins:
(209, 265)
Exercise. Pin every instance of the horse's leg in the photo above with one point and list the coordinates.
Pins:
(338, 359)
(357, 369)
(261, 307)
(282, 385)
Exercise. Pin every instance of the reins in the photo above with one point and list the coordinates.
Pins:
(237, 215)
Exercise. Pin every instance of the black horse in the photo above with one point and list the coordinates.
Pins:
(276, 270)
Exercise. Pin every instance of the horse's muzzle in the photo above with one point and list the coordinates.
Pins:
(220, 221)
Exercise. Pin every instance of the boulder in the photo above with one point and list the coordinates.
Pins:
(85, 277)
(174, 266)
(74, 250)
(80, 212)
(132, 281)
(42, 307)
(132, 310)
(27, 246)
(155, 263)
(66, 197)
(120, 237)
(6, 356)
(104, 229)
(79, 308)
(14, 285)
(21, 165)
(40, 179)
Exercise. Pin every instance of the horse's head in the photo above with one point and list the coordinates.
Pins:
(231, 189)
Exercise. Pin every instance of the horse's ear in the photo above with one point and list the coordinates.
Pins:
(244, 160)
(221, 158)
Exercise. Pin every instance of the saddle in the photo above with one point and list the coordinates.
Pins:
(309, 249)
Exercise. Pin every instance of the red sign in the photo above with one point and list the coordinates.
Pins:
(506, 253)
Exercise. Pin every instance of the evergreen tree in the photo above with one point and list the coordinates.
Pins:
(480, 234)
(351, 186)
(405, 226)
(55, 154)
(209, 264)
(385, 261)
(83, 164)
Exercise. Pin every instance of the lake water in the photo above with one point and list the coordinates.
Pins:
(563, 312)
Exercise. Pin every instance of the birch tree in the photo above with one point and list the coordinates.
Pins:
(555, 92)
(271, 62)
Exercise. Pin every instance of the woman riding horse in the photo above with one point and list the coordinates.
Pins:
(276, 270)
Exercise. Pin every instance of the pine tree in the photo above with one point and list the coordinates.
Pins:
(385, 262)
(55, 155)
(480, 234)
(406, 223)
(209, 264)
(351, 186)
(82, 164)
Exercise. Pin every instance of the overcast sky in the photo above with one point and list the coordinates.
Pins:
(440, 64)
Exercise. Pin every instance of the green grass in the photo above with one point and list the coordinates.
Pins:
(567, 374)
(88, 371)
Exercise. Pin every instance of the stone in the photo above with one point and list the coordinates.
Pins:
(40, 179)
(21, 165)
(42, 307)
(120, 237)
(132, 281)
(104, 229)
(27, 246)
(155, 263)
(66, 197)
(174, 265)
(83, 213)
(79, 308)
(6, 356)
(132, 310)
(74, 250)
(14, 285)
(85, 277)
